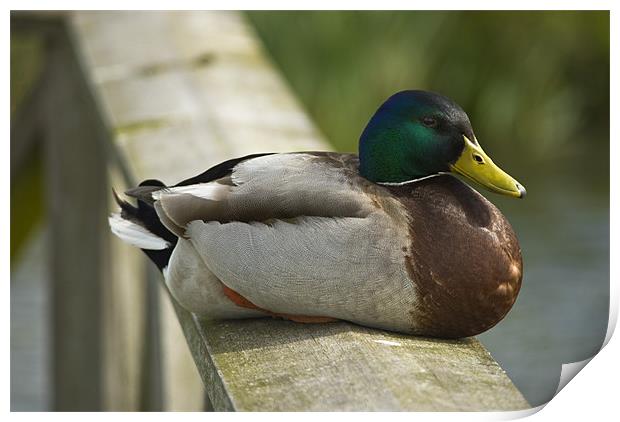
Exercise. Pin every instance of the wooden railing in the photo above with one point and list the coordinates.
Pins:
(128, 96)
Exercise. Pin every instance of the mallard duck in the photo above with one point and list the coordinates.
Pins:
(389, 239)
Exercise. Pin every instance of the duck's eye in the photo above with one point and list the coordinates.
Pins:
(429, 121)
(478, 158)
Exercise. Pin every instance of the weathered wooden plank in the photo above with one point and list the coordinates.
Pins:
(76, 204)
(283, 366)
(92, 330)
(178, 387)
(96, 352)
(198, 111)
(200, 92)
(182, 386)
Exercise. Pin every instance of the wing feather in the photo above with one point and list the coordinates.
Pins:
(278, 186)
(297, 234)
(316, 266)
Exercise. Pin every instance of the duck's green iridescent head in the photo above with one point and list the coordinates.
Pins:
(415, 134)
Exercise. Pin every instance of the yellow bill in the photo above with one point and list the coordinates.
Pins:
(477, 166)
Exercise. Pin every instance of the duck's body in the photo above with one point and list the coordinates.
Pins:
(305, 236)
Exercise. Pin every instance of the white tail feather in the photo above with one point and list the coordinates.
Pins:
(135, 234)
(211, 191)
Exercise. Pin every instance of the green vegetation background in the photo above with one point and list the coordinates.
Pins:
(535, 84)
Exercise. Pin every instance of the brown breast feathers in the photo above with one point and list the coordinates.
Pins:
(464, 258)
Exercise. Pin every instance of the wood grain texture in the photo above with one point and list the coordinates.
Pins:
(92, 350)
(181, 91)
(273, 365)
(76, 215)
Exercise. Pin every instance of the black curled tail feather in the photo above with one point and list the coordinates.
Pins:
(146, 216)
